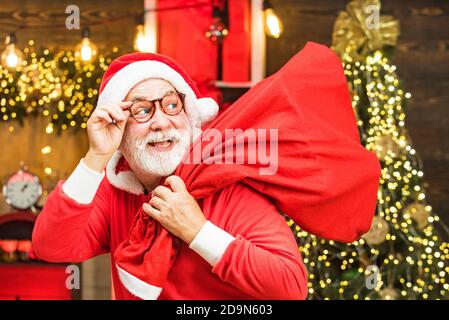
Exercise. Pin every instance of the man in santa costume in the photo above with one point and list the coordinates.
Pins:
(211, 231)
(235, 244)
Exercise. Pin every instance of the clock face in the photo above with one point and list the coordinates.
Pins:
(22, 190)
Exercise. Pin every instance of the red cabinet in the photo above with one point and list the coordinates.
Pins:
(29, 281)
(21, 275)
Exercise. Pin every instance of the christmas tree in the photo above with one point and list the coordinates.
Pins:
(402, 256)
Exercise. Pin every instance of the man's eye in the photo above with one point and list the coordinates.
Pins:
(142, 111)
(172, 106)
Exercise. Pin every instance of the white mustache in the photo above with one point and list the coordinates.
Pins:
(160, 136)
(153, 161)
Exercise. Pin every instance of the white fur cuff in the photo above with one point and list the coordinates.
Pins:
(211, 243)
(83, 183)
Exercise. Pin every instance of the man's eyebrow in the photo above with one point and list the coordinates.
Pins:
(137, 98)
(134, 98)
(169, 91)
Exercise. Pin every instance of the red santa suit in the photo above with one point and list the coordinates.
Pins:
(324, 179)
(245, 250)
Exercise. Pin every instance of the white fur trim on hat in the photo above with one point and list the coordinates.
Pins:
(208, 109)
(124, 180)
(119, 85)
(138, 287)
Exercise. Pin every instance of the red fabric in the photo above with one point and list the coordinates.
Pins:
(149, 247)
(208, 88)
(122, 165)
(237, 44)
(265, 251)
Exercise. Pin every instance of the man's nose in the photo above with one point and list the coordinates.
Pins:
(160, 121)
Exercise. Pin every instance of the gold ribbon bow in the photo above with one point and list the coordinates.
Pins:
(361, 30)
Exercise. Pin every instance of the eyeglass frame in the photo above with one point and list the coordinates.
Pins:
(181, 95)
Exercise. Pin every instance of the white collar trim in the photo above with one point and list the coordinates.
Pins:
(123, 180)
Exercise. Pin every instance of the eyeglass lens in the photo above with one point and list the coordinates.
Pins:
(143, 110)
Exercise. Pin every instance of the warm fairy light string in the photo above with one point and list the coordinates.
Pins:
(402, 243)
(57, 85)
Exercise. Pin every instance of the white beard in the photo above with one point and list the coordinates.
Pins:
(160, 163)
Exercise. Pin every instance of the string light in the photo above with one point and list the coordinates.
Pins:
(273, 25)
(11, 57)
(86, 50)
(46, 150)
(54, 84)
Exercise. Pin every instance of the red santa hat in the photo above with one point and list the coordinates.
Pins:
(130, 69)
(127, 71)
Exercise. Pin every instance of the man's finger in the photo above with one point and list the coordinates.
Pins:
(122, 116)
(116, 113)
(113, 111)
(162, 192)
(175, 183)
(157, 203)
(125, 104)
(152, 212)
(103, 115)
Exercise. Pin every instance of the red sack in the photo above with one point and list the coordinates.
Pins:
(325, 180)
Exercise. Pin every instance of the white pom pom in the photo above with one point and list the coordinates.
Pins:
(208, 109)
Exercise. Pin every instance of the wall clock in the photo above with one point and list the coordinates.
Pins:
(22, 190)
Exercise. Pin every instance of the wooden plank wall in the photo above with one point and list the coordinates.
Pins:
(422, 60)
(35, 19)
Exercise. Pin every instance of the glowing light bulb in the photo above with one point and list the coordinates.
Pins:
(273, 25)
(141, 41)
(46, 150)
(12, 60)
(11, 57)
(49, 128)
(86, 50)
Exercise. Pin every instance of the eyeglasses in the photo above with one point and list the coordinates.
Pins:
(143, 110)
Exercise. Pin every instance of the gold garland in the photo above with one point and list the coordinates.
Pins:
(356, 36)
